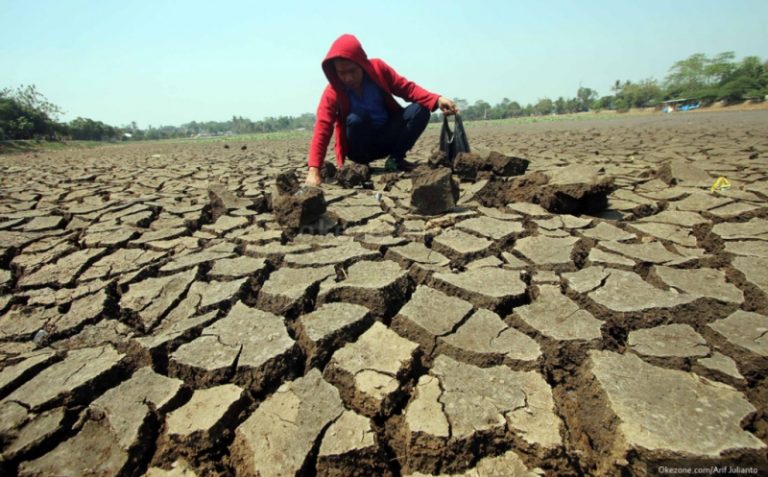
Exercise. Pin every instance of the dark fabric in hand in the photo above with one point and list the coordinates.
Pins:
(453, 142)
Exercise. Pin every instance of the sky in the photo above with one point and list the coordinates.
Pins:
(167, 63)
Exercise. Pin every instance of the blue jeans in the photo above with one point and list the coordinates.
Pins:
(395, 138)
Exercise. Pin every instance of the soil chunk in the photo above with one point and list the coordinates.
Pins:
(679, 172)
(296, 206)
(434, 192)
(676, 340)
(429, 314)
(281, 432)
(222, 250)
(346, 253)
(485, 340)
(349, 448)
(438, 159)
(249, 346)
(705, 282)
(568, 190)
(370, 371)
(222, 199)
(547, 250)
(556, 316)
(661, 412)
(461, 246)
(469, 166)
(113, 429)
(494, 229)
(353, 174)
(745, 329)
(301, 209)
(148, 301)
(71, 379)
(287, 183)
(492, 288)
(328, 171)
(198, 424)
(329, 328)
(457, 408)
(290, 289)
(624, 291)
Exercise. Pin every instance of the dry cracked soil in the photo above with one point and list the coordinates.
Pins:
(156, 320)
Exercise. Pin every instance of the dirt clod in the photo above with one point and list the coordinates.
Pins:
(468, 165)
(353, 174)
(584, 192)
(434, 192)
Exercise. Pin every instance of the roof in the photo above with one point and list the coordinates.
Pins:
(679, 100)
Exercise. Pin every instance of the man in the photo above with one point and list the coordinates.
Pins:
(369, 123)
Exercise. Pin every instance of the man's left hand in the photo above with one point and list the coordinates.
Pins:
(447, 106)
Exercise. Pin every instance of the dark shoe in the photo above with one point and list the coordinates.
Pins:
(394, 164)
(405, 165)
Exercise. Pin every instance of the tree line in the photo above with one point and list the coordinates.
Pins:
(720, 78)
(236, 125)
(26, 114)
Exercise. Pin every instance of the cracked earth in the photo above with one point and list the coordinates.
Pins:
(156, 319)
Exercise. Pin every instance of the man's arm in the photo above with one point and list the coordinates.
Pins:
(406, 89)
(321, 135)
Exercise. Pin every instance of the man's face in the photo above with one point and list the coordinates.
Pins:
(349, 73)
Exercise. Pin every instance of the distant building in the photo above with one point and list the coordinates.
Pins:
(681, 104)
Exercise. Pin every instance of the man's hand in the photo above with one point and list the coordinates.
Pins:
(447, 106)
(313, 178)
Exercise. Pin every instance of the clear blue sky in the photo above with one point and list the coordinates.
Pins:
(161, 62)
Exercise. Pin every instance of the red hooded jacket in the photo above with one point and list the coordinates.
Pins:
(334, 104)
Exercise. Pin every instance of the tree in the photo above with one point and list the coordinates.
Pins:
(604, 102)
(559, 105)
(479, 110)
(585, 97)
(85, 129)
(498, 111)
(32, 100)
(528, 110)
(687, 76)
(513, 110)
(543, 107)
(572, 105)
(720, 69)
(21, 128)
(506, 109)
(720, 78)
(738, 89)
(25, 113)
(482, 108)
(643, 94)
(747, 79)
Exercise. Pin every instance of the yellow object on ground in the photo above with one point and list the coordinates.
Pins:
(720, 184)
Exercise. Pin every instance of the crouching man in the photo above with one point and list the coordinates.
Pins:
(358, 102)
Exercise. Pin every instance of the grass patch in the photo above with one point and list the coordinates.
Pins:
(604, 115)
(40, 145)
(270, 136)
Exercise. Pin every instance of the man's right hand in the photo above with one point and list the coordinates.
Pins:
(447, 106)
(313, 177)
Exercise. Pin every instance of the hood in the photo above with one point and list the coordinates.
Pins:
(348, 47)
